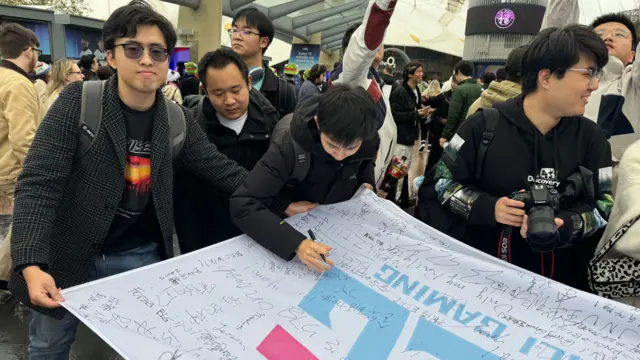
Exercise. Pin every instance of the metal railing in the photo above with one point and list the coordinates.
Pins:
(493, 47)
(474, 3)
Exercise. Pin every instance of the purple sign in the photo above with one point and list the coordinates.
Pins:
(505, 18)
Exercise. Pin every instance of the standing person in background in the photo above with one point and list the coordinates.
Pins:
(89, 66)
(433, 89)
(85, 47)
(466, 93)
(63, 73)
(311, 86)
(105, 72)
(504, 90)
(387, 77)
(406, 107)
(501, 74)
(100, 54)
(251, 34)
(487, 79)
(441, 103)
(21, 111)
(171, 90)
(42, 74)
(190, 84)
(239, 121)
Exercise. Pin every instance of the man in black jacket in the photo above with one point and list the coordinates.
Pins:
(406, 107)
(239, 121)
(81, 216)
(538, 141)
(335, 135)
(251, 34)
(89, 67)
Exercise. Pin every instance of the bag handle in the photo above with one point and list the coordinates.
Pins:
(614, 239)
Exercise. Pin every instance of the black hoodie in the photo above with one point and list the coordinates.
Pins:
(518, 155)
(328, 181)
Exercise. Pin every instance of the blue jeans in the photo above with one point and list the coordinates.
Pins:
(50, 338)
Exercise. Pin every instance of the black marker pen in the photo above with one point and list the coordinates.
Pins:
(313, 237)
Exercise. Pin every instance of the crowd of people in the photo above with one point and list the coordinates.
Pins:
(105, 170)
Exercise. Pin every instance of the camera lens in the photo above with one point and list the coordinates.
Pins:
(542, 230)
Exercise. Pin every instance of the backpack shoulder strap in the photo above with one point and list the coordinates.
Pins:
(283, 99)
(90, 116)
(302, 162)
(177, 127)
(491, 117)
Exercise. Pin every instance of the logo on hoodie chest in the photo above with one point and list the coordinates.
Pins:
(547, 177)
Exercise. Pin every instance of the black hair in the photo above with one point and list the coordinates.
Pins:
(125, 20)
(348, 34)
(86, 62)
(389, 69)
(619, 18)
(347, 114)
(501, 74)
(104, 72)
(220, 59)
(557, 49)
(335, 65)
(410, 69)
(488, 77)
(464, 67)
(256, 19)
(316, 72)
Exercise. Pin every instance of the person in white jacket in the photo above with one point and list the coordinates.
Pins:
(625, 210)
(615, 104)
(363, 49)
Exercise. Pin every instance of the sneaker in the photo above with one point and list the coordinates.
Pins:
(423, 145)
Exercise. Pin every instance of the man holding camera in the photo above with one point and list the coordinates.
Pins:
(530, 181)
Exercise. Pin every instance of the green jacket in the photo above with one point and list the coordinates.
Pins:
(466, 93)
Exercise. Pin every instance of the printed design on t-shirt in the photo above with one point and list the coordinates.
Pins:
(547, 177)
(138, 167)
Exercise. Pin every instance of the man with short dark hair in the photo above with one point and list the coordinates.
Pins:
(313, 82)
(85, 47)
(89, 67)
(499, 91)
(239, 121)
(251, 34)
(501, 74)
(538, 148)
(466, 93)
(337, 135)
(21, 110)
(487, 78)
(95, 201)
(614, 106)
(406, 107)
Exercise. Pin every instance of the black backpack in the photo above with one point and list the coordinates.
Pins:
(283, 98)
(430, 210)
(91, 117)
(302, 165)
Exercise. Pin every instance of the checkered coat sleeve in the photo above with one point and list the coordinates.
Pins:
(64, 208)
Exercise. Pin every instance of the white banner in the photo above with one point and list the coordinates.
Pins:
(400, 290)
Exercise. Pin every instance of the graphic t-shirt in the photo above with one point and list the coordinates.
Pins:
(135, 222)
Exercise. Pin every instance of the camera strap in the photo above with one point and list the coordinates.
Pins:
(504, 246)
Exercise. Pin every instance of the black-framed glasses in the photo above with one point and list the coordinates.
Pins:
(135, 52)
(39, 51)
(594, 74)
(243, 32)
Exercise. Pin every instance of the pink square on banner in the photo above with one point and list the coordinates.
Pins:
(280, 345)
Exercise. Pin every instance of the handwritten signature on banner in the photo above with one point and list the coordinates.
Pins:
(400, 290)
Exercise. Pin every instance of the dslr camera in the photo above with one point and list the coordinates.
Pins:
(542, 204)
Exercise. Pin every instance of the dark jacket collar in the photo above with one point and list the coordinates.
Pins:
(469, 81)
(11, 66)
(410, 91)
(259, 110)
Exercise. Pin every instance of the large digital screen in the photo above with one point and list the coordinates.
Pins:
(41, 30)
(82, 41)
(504, 18)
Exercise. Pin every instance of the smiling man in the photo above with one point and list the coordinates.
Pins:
(615, 104)
(536, 140)
(251, 34)
(84, 213)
